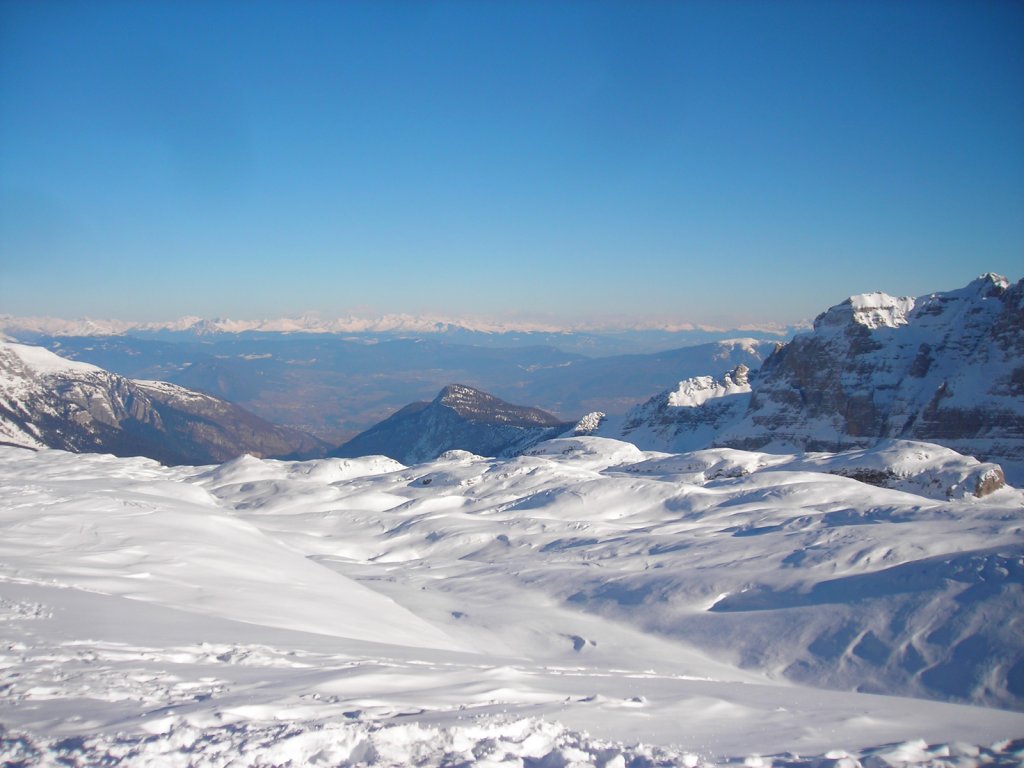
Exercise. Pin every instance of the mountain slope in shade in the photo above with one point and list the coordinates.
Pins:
(47, 401)
(460, 417)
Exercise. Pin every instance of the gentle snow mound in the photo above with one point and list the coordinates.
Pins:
(924, 469)
(906, 465)
(595, 453)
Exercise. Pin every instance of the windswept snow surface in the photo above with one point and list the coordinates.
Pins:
(587, 605)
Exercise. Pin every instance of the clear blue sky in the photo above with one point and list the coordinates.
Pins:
(713, 161)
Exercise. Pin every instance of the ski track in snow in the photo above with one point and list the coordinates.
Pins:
(589, 605)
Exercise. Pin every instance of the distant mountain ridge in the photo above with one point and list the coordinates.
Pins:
(48, 401)
(459, 418)
(336, 387)
(352, 324)
(944, 368)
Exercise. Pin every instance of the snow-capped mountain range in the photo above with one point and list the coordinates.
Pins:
(48, 401)
(353, 324)
(947, 368)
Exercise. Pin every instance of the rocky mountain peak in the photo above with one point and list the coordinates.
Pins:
(459, 418)
(688, 416)
(590, 423)
(989, 284)
(470, 403)
(879, 310)
(943, 368)
(459, 395)
(739, 376)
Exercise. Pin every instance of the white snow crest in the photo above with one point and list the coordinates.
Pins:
(172, 390)
(42, 361)
(589, 423)
(386, 323)
(694, 392)
(872, 310)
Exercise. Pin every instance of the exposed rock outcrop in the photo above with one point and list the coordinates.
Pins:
(689, 416)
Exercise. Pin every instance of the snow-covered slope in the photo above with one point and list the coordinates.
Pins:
(553, 609)
(461, 418)
(48, 401)
(168, 542)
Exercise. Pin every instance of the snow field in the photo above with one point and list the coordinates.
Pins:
(588, 605)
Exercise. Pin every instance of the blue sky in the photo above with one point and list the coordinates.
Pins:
(719, 162)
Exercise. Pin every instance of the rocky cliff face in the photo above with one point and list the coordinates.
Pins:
(461, 418)
(47, 401)
(946, 368)
(688, 416)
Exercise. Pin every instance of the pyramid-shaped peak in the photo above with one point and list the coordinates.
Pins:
(476, 405)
